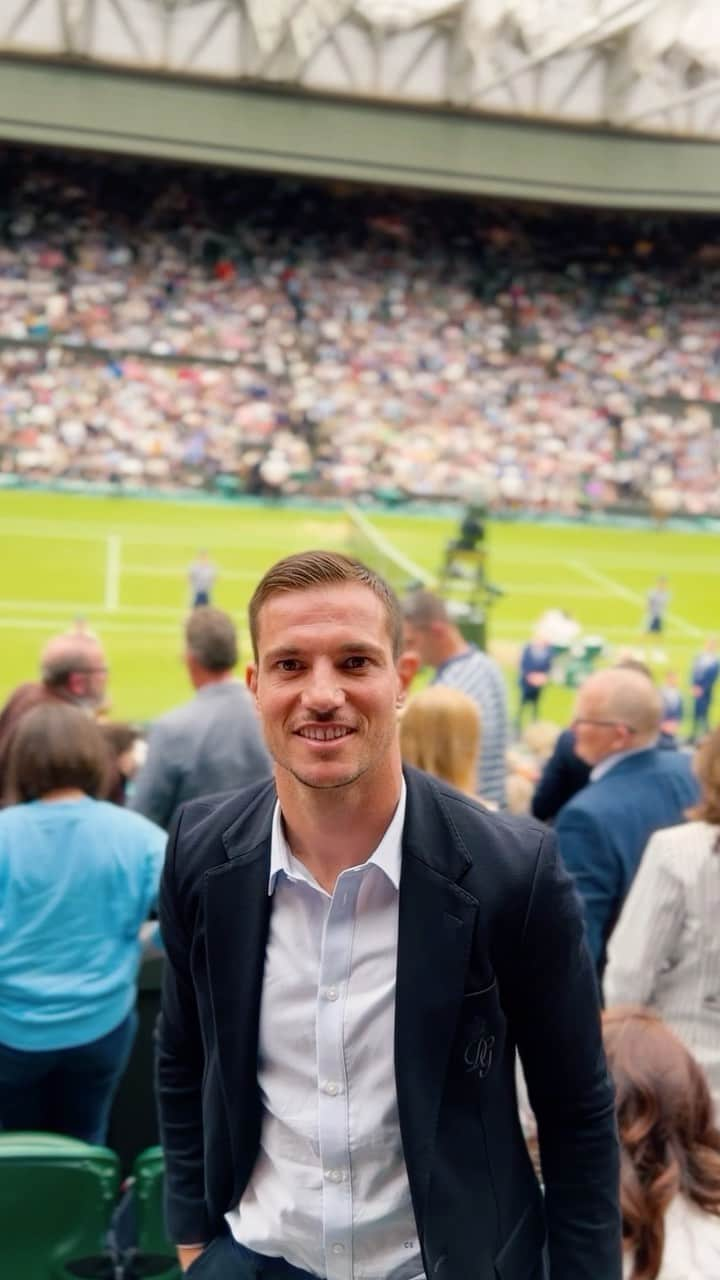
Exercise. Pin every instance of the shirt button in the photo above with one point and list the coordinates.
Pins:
(334, 1175)
(338, 1249)
(330, 1087)
(331, 993)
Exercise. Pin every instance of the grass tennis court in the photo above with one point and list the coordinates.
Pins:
(121, 564)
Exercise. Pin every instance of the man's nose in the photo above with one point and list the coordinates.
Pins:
(322, 690)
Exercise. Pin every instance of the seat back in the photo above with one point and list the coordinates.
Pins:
(153, 1244)
(56, 1198)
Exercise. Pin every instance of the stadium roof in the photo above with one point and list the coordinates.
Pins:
(636, 65)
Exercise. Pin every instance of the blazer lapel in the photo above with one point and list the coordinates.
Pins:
(237, 913)
(436, 924)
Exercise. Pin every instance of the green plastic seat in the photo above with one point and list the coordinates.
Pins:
(56, 1199)
(154, 1248)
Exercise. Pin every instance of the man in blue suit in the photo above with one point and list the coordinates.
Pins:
(634, 789)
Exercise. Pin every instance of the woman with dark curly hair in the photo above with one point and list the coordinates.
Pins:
(670, 1151)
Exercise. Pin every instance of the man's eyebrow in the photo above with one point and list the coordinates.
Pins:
(296, 651)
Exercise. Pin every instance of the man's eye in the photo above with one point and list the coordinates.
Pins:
(288, 664)
(356, 662)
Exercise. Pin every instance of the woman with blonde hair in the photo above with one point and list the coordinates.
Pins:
(440, 732)
(665, 951)
(669, 1151)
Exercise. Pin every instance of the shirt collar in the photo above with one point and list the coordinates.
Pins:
(387, 856)
(604, 766)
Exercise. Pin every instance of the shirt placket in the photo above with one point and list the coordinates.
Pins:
(333, 1101)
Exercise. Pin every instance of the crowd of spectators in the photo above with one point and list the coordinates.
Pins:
(201, 329)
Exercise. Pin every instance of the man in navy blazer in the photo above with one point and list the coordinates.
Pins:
(635, 788)
(473, 949)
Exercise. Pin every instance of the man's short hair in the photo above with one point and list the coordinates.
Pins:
(56, 745)
(423, 608)
(67, 655)
(310, 569)
(211, 638)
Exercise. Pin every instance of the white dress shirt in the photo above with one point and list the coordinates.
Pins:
(329, 1191)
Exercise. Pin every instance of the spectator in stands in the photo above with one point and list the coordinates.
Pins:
(212, 743)
(127, 750)
(705, 671)
(440, 732)
(563, 775)
(635, 789)
(664, 951)
(77, 879)
(438, 642)
(73, 669)
(670, 1145)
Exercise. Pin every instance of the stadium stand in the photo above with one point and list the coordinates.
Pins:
(202, 331)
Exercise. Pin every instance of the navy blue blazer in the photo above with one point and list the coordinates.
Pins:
(490, 955)
(602, 832)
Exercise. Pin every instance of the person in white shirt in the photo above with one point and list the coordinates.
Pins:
(665, 951)
(354, 951)
(670, 1171)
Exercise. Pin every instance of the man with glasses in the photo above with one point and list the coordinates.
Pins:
(73, 668)
(634, 789)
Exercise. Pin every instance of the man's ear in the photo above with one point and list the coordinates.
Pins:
(251, 678)
(408, 665)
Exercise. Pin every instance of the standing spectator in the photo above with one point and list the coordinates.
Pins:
(73, 669)
(201, 576)
(563, 775)
(705, 671)
(658, 599)
(670, 1143)
(664, 951)
(439, 643)
(212, 743)
(534, 673)
(634, 789)
(77, 879)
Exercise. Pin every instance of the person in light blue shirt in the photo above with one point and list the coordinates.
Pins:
(78, 877)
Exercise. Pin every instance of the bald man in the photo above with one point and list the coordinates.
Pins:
(634, 789)
(73, 668)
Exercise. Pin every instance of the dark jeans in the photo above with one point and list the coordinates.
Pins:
(224, 1259)
(65, 1090)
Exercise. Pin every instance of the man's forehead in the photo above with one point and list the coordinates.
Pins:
(352, 606)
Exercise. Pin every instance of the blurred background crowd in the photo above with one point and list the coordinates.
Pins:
(160, 329)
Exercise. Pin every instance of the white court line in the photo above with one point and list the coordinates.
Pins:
(112, 572)
(386, 548)
(617, 589)
(57, 623)
(175, 571)
(89, 607)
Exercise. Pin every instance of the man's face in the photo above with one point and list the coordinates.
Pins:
(597, 734)
(326, 685)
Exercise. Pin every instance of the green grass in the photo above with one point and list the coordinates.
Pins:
(55, 556)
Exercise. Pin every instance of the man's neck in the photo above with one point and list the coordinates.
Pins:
(201, 679)
(449, 646)
(332, 829)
